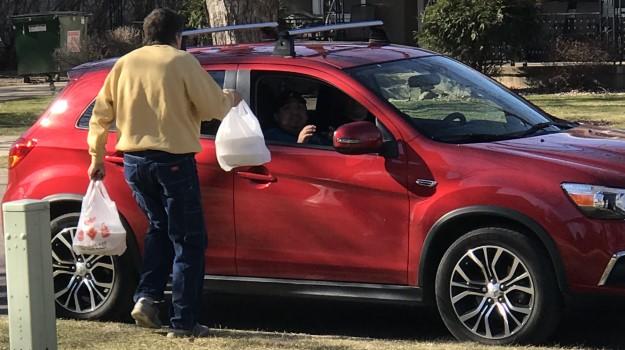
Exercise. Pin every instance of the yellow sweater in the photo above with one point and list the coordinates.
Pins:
(158, 96)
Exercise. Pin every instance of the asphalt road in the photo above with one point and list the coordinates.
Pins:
(5, 143)
(16, 91)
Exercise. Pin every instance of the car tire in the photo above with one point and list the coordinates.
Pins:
(512, 299)
(89, 287)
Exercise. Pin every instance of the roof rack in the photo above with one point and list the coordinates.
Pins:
(195, 32)
(285, 46)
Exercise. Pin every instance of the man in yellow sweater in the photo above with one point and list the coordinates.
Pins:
(158, 95)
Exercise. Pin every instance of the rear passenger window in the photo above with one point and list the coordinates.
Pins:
(208, 128)
(83, 122)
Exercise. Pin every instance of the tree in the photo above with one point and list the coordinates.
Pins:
(230, 12)
(479, 32)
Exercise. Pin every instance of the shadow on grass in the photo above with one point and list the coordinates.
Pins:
(320, 317)
(594, 325)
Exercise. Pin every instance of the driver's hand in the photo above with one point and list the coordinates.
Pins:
(307, 132)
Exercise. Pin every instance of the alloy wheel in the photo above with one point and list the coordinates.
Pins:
(82, 283)
(492, 292)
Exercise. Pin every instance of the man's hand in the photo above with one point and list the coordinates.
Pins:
(96, 171)
(236, 97)
(307, 132)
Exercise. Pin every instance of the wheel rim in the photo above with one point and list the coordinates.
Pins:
(82, 283)
(492, 292)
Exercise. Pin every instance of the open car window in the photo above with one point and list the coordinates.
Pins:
(327, 107)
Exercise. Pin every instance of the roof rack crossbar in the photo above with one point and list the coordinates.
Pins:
(327, 28)
(195, 32)
(285, 45)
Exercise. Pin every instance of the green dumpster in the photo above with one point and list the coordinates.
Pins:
(37, 35)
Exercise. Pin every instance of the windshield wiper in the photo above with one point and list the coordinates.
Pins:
(469, 138)
(536, 128)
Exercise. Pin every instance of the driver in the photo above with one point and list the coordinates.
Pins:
(291, 118)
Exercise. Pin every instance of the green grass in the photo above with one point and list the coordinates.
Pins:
(18, 115)
(600, 109)
(100, 336)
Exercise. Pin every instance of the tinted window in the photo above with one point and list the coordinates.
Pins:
(83, 122)
(208, 128)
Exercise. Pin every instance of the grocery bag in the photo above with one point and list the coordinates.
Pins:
(100, 230)
(239, 140)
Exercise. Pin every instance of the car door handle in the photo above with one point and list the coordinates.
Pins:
(116, 158)
(257, 177)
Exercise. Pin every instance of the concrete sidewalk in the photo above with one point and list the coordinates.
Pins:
(5, 145)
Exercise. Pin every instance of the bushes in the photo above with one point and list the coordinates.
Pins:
(581, 72)
(113, 43)
(481, 33)
(121, 40)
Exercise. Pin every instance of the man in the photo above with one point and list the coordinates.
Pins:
(158, 96)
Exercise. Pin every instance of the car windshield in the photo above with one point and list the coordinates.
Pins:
(450, 102)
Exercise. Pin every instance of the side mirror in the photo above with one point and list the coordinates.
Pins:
(357, 138)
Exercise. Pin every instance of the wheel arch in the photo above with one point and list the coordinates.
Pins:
(456, 223)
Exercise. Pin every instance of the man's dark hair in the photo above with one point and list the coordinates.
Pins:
(161, 27)
(288, 97)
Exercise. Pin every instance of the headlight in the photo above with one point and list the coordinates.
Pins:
(597, 201)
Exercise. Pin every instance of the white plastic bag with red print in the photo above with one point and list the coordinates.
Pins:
(100, 230)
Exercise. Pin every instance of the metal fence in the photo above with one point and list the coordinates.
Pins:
(599, 23)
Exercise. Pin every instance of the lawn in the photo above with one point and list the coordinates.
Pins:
(100, 335)
(17, 116)
(599, 109)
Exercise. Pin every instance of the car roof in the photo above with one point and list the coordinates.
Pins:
(341, 55)
(337, 54)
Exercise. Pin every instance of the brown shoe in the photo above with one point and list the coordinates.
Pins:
(145, 314)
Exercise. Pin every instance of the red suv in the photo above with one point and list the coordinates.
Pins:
(438, 186)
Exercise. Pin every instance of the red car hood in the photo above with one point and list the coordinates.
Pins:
(590, 149)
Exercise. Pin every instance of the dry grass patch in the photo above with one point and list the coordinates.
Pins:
(100, 336)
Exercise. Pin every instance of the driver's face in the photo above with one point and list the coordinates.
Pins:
(292, 117)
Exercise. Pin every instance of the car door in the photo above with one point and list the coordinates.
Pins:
(216, 188)
(319, 214)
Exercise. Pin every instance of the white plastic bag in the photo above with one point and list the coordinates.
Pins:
(100, 230)
(239, 140)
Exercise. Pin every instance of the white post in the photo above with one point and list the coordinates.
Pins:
(30, 294)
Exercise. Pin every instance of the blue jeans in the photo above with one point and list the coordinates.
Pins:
(166, 188)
